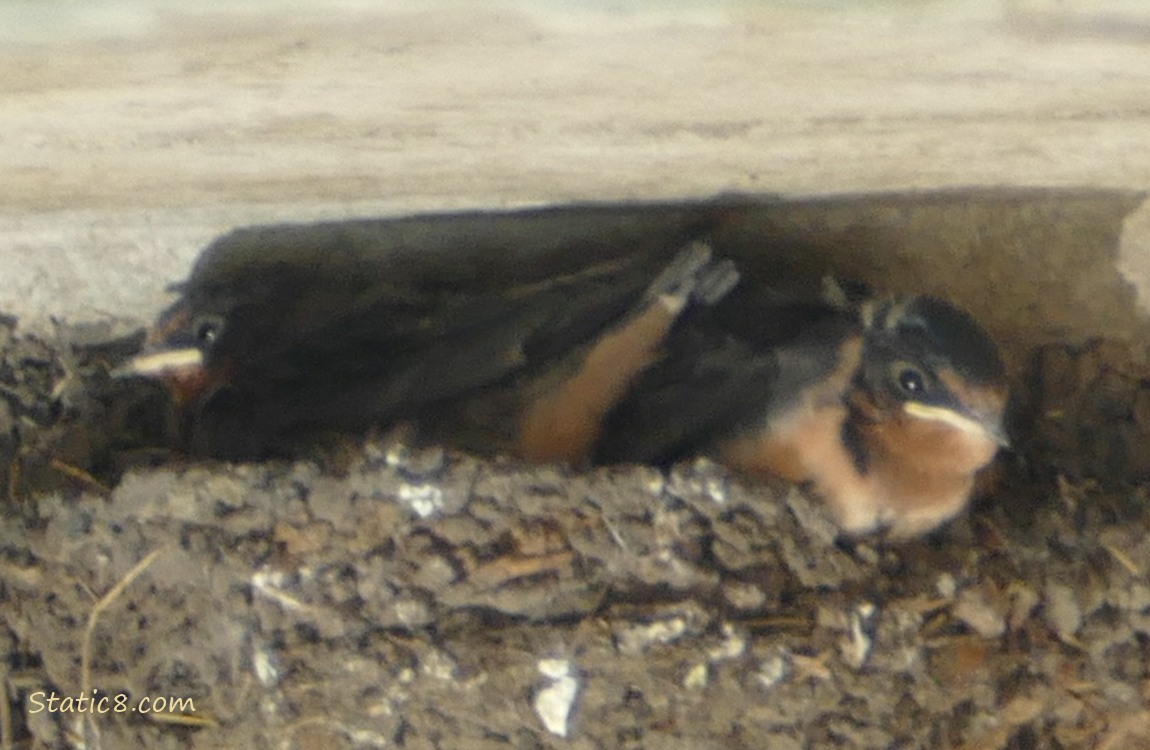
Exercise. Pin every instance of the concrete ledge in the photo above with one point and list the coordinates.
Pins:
(135, 133)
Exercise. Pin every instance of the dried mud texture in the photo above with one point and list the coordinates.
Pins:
(425, 598)
(1089, 411)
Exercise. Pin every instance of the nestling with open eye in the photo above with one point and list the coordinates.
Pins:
(282, 331)
(584, 348)
(888, 411)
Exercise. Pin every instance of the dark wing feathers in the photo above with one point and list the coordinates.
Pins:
(708, 384)
(713, 384)
(415, 278)
(318, 334)
(452, 344)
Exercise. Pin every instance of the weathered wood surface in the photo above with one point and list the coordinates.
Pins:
(428, 105)
(130, 141)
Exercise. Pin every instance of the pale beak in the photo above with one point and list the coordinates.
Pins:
(973, 424)
(162, 364)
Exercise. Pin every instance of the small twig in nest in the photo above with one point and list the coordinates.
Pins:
(77, 473)
(13, 480)
(94, 618)
(1123, 559)
(183, 720)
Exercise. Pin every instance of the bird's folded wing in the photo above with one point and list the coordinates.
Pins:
(712, 385)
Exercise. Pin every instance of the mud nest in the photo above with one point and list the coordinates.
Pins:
(377, 595)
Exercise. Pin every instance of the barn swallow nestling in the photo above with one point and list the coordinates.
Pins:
(888, 411)
(581, 338)
(346, 325)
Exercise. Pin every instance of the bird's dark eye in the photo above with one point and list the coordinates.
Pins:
(911, 380)
(207, 329)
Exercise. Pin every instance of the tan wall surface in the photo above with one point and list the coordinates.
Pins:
(131, 134)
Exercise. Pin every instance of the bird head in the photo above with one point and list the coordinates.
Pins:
(933, 370)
